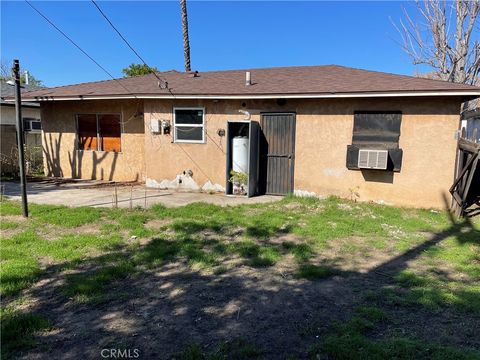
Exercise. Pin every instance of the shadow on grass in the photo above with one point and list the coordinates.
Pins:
(235, 349)
(172, 306)
(350, 341)
(17, 331)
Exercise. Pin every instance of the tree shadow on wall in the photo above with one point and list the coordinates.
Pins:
(77, 161)
(51, 154)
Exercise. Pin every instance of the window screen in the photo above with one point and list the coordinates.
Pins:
(189, 125)
(373, 130)
(379, 129)
(99, 132)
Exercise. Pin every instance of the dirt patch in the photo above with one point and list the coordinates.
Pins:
(54, 232)
(313, 208)
(293, 205)
(351, 254)
(156, 224)
(88, 229)
(8, 233)
(14, 218)
(234, 233)
(163, 310)
(174, 306)
(254, 211)
(286, 238)
(452, 329)
(14, 230)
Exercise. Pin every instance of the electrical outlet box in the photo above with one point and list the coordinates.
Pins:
(155, 126)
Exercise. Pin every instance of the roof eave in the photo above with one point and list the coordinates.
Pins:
(26, 104)
(468, 93)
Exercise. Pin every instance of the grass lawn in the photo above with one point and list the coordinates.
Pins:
(298, 278)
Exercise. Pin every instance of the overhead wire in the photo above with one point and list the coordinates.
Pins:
(107, 72)
(79, 47)
(117, 81)
(131, 47)
(156, 75)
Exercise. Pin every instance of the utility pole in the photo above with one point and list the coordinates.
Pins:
(20, 137)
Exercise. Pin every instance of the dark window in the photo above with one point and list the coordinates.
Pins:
(189, 125)
(36, 125)
(99, 132)
(376, 129)
(26, 124)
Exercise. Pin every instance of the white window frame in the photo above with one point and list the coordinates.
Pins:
(202, 125)
(32, 120)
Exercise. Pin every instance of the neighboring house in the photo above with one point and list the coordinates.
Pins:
(31, 118)
(471, 121)
(325, 130)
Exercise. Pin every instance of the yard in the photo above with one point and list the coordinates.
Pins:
(293, 279)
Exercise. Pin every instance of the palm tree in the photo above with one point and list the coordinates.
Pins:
(186, 41)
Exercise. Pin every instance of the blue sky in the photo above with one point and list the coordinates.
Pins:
(223, 35)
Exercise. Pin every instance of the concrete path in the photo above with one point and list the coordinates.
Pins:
(97, 194)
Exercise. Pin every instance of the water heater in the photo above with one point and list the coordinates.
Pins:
(240, 154)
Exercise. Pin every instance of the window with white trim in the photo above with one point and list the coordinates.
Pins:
(189, 125)
(32, 125)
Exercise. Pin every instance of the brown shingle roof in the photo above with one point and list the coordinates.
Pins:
(281, 81)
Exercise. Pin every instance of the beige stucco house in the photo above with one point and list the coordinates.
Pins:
(323, 130)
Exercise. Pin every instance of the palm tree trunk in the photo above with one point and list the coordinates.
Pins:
(186, 41)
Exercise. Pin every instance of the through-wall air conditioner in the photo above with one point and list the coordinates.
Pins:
(32, 125)
(373, 159)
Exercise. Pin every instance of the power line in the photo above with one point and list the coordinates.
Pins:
(129, 45)
(78, 47)
(118, 32)
(109, 74)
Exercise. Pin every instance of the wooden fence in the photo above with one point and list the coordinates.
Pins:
(466, 186)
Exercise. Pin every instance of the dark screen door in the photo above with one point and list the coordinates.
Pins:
(278, 152)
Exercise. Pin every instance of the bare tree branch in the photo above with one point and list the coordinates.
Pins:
(453, 54)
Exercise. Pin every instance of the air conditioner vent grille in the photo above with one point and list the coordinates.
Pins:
(373, 159)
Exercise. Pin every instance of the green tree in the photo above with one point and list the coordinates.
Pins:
(32, 80)
(138, 70)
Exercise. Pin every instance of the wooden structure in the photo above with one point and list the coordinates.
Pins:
(466, 187)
